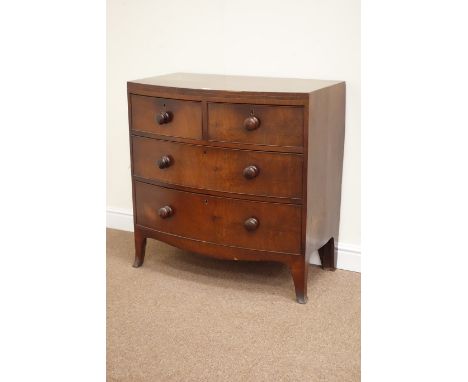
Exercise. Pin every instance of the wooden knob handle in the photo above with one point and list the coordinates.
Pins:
(251, 172)
(251, 123)
(164, 117)
(251, 224)
(165, 212)
(165, 161)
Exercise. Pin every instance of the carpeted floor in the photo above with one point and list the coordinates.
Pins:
(185, 317)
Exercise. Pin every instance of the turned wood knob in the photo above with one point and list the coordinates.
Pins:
(165, 161)
(251, 224)
(251, 123)
(251, 172)
(165, 212)
(164, 117)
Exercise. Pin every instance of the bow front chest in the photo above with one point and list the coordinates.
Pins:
(238, 168)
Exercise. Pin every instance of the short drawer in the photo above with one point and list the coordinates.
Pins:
(254, 225)
(218, 169)
(167, 117)
(256, 124)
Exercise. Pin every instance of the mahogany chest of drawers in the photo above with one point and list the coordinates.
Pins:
(239, 168)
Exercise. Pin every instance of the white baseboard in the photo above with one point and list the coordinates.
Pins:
(349, 256)
(119, 218)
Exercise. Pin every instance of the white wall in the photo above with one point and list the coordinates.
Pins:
(303, 39)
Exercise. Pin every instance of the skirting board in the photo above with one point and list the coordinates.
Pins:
(349, 256)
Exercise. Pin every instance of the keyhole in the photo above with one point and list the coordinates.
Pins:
(205, 201)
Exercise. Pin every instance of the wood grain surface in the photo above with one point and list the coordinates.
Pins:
(280, 175)
(220, 220)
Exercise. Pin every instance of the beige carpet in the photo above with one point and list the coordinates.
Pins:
(184, 317)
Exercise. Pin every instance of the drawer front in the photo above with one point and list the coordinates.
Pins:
(167, 117)
(218, 169)
(256, 124)
(254, 225)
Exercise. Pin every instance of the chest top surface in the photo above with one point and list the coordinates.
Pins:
(217, 82)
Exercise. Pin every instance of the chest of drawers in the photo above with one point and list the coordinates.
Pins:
(238, 168)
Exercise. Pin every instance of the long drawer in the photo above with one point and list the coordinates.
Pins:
(219, 169)
(254, 225)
